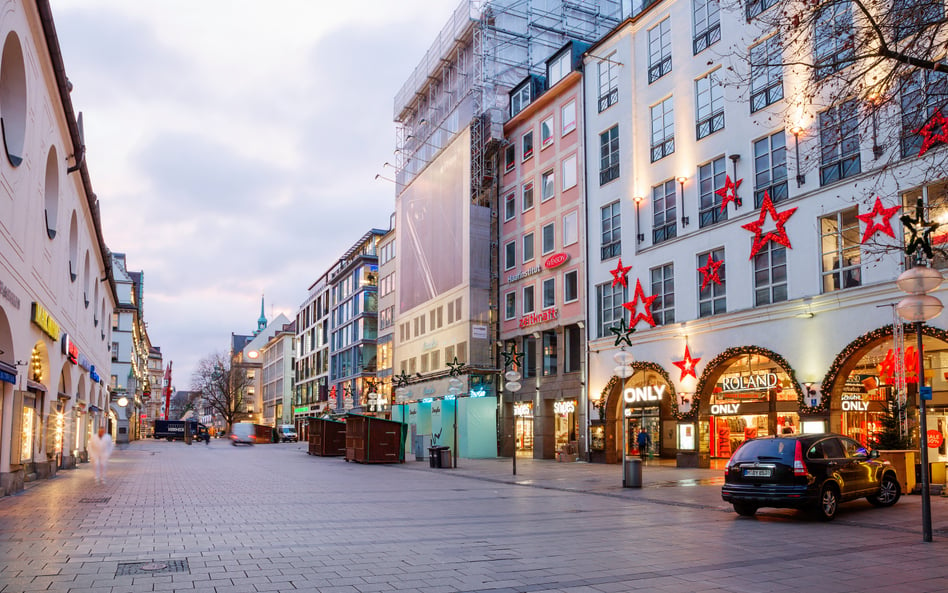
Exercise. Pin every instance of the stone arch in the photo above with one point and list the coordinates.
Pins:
(717, 365)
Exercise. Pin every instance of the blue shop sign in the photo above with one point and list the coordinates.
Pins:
(93, 374)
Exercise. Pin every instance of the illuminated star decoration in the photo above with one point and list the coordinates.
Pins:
(873, 227)
(646, 304)
(512, 357)
(622, 333)
(401, 380)
(455, 367)
(709, 272)
(619, 274)
(728, 193)
(919, 231)
(687, 365)
(934, 130)
(778, 235)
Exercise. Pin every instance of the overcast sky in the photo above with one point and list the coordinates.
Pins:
(233, 145)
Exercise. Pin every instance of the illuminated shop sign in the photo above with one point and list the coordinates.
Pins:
(94, 375)
(541, 317)
(725, 409)
(749, 383)
(84, 362)
(479, 392)
(524, 274)
(303, 410)
(70, 350)
(650, 394)
(854, 403)
(556, 260)
(523, 410)
(567, 407)
(41, 317)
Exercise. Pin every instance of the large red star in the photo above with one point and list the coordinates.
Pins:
(778, 235)
(687, 365)
(619, 274)
(872, 227)
(646, 304)
(709, 272)
(728, 193)
(934, 130)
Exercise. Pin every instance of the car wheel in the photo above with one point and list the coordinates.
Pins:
(889, 492)
(828, 503)
(745, 510)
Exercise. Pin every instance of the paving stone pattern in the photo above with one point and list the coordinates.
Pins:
(222, 519)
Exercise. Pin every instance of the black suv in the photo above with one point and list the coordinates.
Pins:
(811, 471)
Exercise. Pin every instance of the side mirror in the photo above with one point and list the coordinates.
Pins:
(873, 454)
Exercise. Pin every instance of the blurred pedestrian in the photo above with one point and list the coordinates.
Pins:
(644, 441)
(100, 449)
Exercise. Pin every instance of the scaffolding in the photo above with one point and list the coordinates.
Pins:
(484, 50)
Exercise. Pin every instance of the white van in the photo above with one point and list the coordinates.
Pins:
(287, 433)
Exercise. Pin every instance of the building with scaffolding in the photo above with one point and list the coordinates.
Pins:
(449, 118)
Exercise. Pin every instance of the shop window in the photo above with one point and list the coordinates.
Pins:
(770, 274)
(841, 259)
(712, 287)
(529, 350)
(609, 309)
(663, 287)
(549, 353)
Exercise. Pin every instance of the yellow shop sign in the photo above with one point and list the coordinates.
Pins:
(45, 321)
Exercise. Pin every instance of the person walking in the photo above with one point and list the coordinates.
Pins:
(644, 441)
(100, 449)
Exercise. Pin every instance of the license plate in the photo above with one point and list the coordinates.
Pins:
(757, 473)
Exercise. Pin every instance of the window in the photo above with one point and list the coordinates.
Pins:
(519, 99)
(770, 168)
(833, 38)
(13, 99)
(547, 189)
(570, 228)
(707, 24)
(569, 172)
(510, 305)
(663, 129)
(710, 180)
(711, 283)
(914, 16)
(770, 274)
(527, 202)
(659, 50)
(51, 192)
(922, 94)
(840, 247)
(609, 309)
(934, 198)
(664, 224)
(510, 157)
(568, 118)
(663, 287)
(526, 142)
(549, 293)
(527, 247)
(709, 101)
(558, 68)
(549, 353)
(529, 349)
(510, 255)
(839, 142)
(547, 238)
(571, 286)
(546, 132)
(528, 299)
(609, 155)
(573, 349)
(755, 7)
(608, 82)
(766, 72)
(510, 206)
(611, 243)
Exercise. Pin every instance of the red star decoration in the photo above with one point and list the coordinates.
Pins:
(728, 193)
(778, 235)
(687, 365)
(619, 274)
(646, 304)
(709, 272)
(885, 226)
(934, 130)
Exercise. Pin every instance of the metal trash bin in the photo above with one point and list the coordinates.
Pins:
(444, 457)
(434, 457)
(632, 473)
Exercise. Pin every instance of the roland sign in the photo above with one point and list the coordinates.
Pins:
(648, 395)
(749, 383)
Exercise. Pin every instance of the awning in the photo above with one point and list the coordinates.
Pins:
(35, 386)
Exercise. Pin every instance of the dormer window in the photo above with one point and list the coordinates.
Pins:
(520, 98)
(558, 68)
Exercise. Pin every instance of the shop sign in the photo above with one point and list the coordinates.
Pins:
(70, 350)
(7, 373)
(428, 391)
(523, 410)
(479, 332)
(94, 375)
(647, 394)
(481, 392)
(568, 407)
(9, 296)
(541, 317)
(853, 403)
(84, 361)
(725, 409)
(431, 345)
(41, 317)
(935, 439)
(302, 410)
(556, 260)
(524, 274)
(749, 383)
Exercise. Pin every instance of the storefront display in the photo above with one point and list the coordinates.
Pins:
(564, 413)
(523, 417)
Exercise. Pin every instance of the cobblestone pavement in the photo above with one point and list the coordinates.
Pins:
(225, 519)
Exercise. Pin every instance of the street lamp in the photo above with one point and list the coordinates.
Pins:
(623, 370)
(513, 385)
(918, 308)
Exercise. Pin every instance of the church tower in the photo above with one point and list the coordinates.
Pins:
(262, 320)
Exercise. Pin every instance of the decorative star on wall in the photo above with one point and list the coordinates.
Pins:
(709, 272)
(401, 380)
(619, 274)
(728, 193)
(934, 130)
(622, 333)
(778, 235)
(919, 231)
(632, 306)
(885, 225)
(687, 365)
(512, 357)
(455, 367)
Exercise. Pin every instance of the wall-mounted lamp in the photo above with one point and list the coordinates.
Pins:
(579, 324)
(875, 101)
(380, 176)
(388, 164)
(681, 184)
(536, 335)
(796, 131)
(734, 158)
(639, 235)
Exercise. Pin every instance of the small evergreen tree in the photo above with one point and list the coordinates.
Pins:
(890, 438)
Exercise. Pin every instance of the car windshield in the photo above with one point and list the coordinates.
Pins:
(766, 450)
